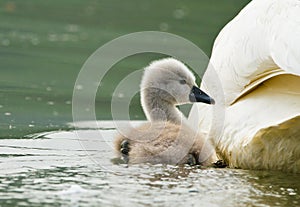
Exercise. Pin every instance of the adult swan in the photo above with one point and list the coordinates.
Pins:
(256, 59)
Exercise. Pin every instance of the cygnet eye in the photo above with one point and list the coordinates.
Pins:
(182, 81)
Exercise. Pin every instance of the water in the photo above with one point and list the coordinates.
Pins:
(56, 169)
(46, 161)
(43, 46)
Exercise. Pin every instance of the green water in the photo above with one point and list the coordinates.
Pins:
(43, 161)
(43, 45)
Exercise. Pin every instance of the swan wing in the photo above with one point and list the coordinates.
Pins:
(285, 35)
(261, 42)
(263, 125)
(269, 143)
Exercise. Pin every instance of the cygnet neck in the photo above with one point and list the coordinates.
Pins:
(157, 109)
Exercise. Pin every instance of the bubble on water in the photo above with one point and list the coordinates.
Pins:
(164, 26)
(50, 103)
(1, 106)
(48, 88)
(31, 125)
(7, 113)
(27, 98)
(68, 102)
(55, 113)
(72, 28)
(178, 13)
(35, 41)
(65, 37)
(38, 98)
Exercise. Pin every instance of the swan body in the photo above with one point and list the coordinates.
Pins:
(256, 60)
(167, 138)
(167, 143)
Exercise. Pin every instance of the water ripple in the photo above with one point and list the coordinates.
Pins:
(53, 169)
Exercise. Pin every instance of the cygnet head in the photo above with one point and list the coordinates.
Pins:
(166, 83)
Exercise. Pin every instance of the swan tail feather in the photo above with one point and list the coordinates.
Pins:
(276, 147)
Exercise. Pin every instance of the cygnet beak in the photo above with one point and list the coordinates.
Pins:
(197, 95)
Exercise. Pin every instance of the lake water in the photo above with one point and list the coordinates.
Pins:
(74, 168)
(46, 161)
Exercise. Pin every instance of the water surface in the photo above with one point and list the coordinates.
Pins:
(58, 169)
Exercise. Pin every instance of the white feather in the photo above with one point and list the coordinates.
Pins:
(256, 61)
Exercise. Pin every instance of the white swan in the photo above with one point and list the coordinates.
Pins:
(166, 139)
(256, 58)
